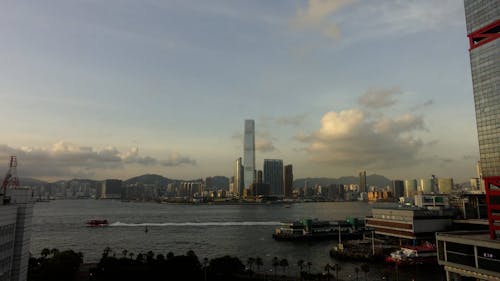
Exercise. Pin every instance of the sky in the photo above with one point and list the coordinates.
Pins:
(118, 88)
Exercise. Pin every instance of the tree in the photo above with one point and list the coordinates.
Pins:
(365, 268)
(124, 253)
(250, 262)
(259, 263)
(337, 270)
(357, 272)
(45, 252)
(284, 264)
(309, 264)
(131, 255)
(170, 255)
(106, 252)
(328, 267)
(275, 263)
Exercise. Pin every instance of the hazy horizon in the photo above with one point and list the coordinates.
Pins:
(111, 89)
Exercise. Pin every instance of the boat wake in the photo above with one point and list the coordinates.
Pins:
(230, 223)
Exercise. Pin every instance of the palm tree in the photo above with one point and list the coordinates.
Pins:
(140, 258)
(124, 253)
(365, 268)
(337, 270)
(258, 263)
(170, 255)
(106, 252)
(250, 262)
(45, 252)
(54, 251)
(357, 272)
(131, 255)
(309, 264)
(276, 263)
(284, 264)
(328, 267)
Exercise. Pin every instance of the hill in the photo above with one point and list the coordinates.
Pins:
(377, 180)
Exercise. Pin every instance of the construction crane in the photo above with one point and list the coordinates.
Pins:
(11, 179)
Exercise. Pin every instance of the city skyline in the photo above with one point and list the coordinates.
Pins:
(102, 90)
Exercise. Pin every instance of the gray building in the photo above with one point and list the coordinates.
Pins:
(249, 153)
(238, 182)
(15, 234)
(111, 189)
(398, 188)
(362, 182)
(288, 181)
(273, 175)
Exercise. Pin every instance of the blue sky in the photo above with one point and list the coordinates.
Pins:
(114, 88)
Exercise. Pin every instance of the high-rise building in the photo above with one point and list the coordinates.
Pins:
(362, 182)
(425, 185)
(15, 233)
(273, 175)
(111, 189)
(398, 188)
(410, 188)
(249, 153)
(288, 181)
(483, 29)
(238, 183)
(445, 185)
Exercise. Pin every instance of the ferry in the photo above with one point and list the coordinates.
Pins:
(410, 255)
(97, 223)
(314, 229)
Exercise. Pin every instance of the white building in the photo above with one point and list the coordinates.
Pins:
(15, 234)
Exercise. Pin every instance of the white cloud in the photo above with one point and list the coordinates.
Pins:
(64, 159)
(316, 16)
(378, 98)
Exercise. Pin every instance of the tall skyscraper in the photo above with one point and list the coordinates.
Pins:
(238, 183)
(288, 181)
(362, 181)
(483, 29)
(273, 175)
(249, 153)
(410, 188)
(398, 188)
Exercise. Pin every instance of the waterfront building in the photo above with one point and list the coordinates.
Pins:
(432, 201)
(410, 188)
(445, 185)
(273, 175)
(249, 153)
(288, 181)
(398, 188)
(15, 233)
(362, 182)
(111, 189)
(238, 183)
(409, 223)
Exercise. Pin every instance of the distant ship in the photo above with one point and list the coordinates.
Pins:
(97, 223)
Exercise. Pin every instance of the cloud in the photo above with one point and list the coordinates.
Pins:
(294, 121)
(64, 159)
(264, 145)
(379, 98)
(425, 104)
(352, 138)
(175, 159)
(316, 16)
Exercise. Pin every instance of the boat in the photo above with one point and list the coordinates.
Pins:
(97, 223)
(410, 255)
(314, 229)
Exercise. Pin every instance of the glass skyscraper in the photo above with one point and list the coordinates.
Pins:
(483, 29)
(273, 175)
(249, 153)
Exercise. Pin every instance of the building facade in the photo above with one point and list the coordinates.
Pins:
(362, 182)
(249, 153)
(288, 181)
(15, 234)
(398, 188)
(273, 175)
(111, 189)
(483, 29)
(410, 188)
(238, 183)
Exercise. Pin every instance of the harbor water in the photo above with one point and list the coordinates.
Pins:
(209, 230)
